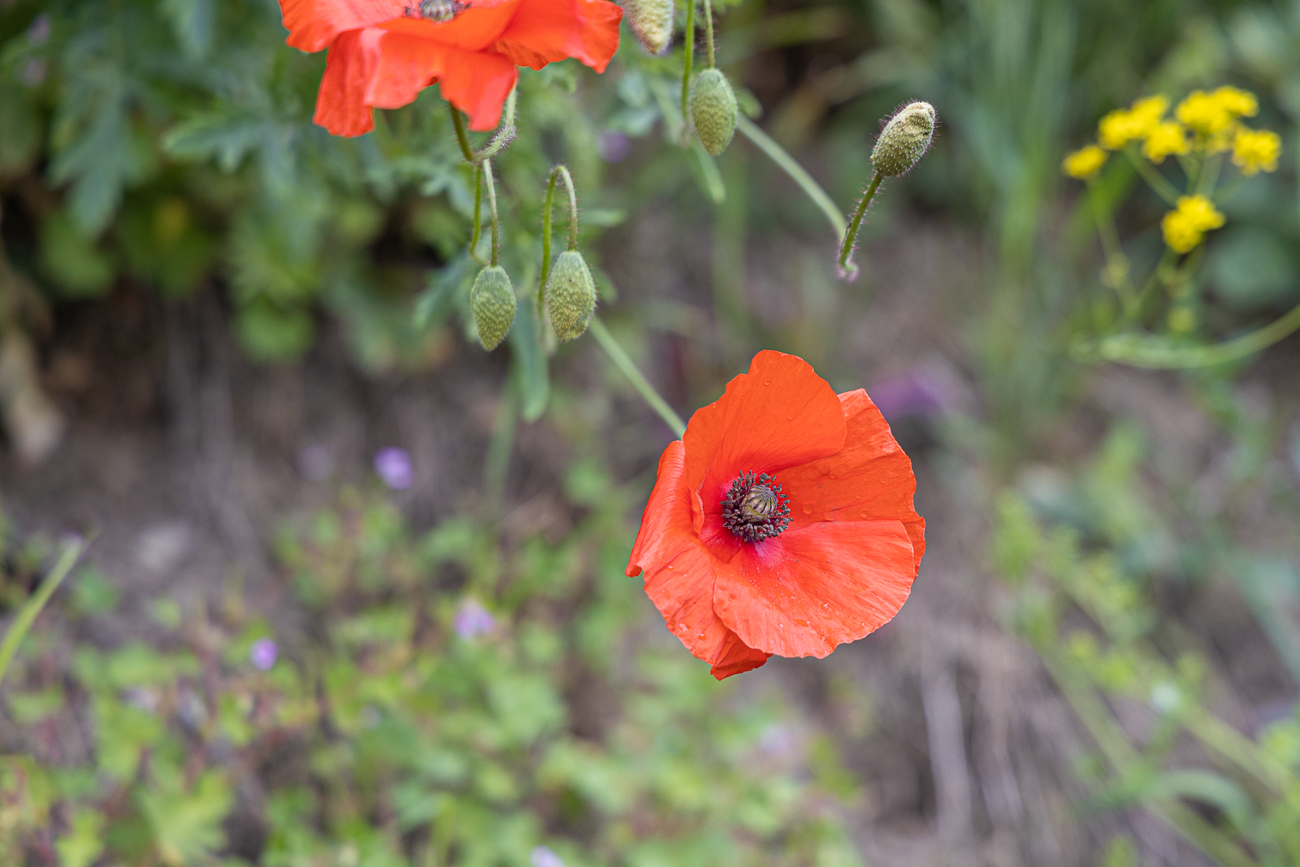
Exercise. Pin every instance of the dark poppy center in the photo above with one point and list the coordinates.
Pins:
(754, 508)
(438, 11)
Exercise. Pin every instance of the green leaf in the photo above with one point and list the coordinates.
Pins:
(84, 843)
(269, 334)
(71, 260)
(530, 361)
(187, 825)
(192, 21)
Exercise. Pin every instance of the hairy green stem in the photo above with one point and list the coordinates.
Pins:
(478, 212)
(708, 32)
(796, 172)
(27, 616)
(503, 136)
(847, 269)
(492, 204)
(559, 172)
(639, 382)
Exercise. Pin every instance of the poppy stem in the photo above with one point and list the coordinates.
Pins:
(560, 171)
(639, 382)
(848, 270)
(478, 213)
(492, 204)
(787, 163)
(504, 135)
(688, 51)
(461, 136)
(708, 31)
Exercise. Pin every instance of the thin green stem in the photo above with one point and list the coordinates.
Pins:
(708, 32)
(492, 204)
(1110, 245)
(461, 136)
(1134, 350)
(1209, 178)
(26, 617)
(504, 135)
(639, 382)
(478, 212)
(499, 448)
(796, 172)
(848, 270)
(1154, 179)
(560, 171)
(688, 54)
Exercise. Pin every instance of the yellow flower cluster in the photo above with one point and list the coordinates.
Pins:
(1165, 138)
(1256, 149)
(1124, 125)
(1184, 226)
(1212, 114)
(1084, 163)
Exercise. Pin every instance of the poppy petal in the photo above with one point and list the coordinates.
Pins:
(341, 105)
(781, 414)
(809, 590)
(870, 479)
(548, 31)
(734, 656)
(314, 24)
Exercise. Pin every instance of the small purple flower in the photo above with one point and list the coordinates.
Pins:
(263, 654)
(473, 620)
(393, 466)
(614, 146)
(543, 856)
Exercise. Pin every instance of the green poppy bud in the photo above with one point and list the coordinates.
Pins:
(492, 301)
(651, 22)
(570, 295)
(713, 110)
(904, 140)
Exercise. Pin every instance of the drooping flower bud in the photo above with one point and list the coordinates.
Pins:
(570, 295)
(713, 110)
(651, 22)
(492, 301)
(904, 140)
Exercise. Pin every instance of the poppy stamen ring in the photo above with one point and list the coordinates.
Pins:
(754, 508)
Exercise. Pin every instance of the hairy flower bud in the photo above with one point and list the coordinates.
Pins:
(651, 22)
(492, 301)
(570, 295)
(904, 140)
(713, 110)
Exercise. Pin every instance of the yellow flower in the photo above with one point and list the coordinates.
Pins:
(1204, 113)
(1124, 125)
(1084, 163)
(1253, 150)
(1184, 226)
(1168, 137)
(1241, 103)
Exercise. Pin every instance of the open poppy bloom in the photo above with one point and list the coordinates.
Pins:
(382, 53)
(782, 523)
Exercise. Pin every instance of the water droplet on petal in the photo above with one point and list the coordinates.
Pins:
(807, 508)
(670, 567)
(833, 476)
(803, 623)
(767, 382)
(864, 513)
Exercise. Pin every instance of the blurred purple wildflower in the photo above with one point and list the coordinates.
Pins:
(263, 654)
(614, 146)
(473, 620)
(393, 465)
(543, 856)
(39, 30)
(919, 392)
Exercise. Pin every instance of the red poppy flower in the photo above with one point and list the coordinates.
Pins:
(382, 53)
(782, 523)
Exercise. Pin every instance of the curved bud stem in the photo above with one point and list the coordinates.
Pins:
(492, 204)
(796, 172)
(688, 51)
(504, 135)
(848, 270)
(708, 32)
(560, 171)
(639, 382)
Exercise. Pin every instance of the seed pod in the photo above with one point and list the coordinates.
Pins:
(492, 301)
(570, 295)
(713, 110)
(651, 22)
(904, 140)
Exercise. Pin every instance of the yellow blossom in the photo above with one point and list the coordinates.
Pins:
(1253, 150)
(1165, 138)
(1204, 113)
(1124, 125)
(1241, 103)
(1084, 163)
(1184, 226)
